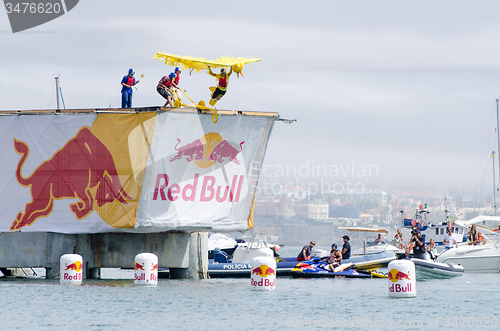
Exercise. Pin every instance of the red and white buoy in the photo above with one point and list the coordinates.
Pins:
(71, 266)
(146, 269)
(263, 276)
(402, 279)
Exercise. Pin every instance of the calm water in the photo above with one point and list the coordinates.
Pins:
(463, 303)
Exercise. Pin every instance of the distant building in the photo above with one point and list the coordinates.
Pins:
(348, 211)
(297, 192)
(314, 210)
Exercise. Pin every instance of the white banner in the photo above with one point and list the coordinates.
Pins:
(202, 175)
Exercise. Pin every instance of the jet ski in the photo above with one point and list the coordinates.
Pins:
(319, 269)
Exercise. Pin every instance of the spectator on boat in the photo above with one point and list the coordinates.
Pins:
(472, 234)
(128, 82)
(398, 240)
(275, 248)
(405, 256)
(379, 239)
(306, 251)
(449, 241)
(346, 248)
(335, 258)
(400, 234)
(480, 239)
(166, 87)
(395, 241)
(418, 244)
(222, 82)
(431, 249)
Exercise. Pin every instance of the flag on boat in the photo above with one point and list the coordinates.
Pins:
(423, 207)
(451, 222)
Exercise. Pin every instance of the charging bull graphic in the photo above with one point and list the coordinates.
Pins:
(192, 151)
(224, 150)
(83, 169)
(208, 150)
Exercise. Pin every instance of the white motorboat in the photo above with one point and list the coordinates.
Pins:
(474, 258)
(365, 237)
(428, 269)
(483, 257)
(223, 241)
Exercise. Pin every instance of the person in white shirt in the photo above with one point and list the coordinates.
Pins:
(449, 241)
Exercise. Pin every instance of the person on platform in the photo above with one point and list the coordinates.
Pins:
(177, 73)
(346, 248)
(306, 251)
(335, 258)
(128, 82)
(166, 87)
(449, 241)
(418, 244)
(222, 83)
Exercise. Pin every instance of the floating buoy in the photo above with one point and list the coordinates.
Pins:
(402, 279)
(146, 269)
(263, 276)
(71, 269)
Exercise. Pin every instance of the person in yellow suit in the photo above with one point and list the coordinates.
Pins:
(222, 82)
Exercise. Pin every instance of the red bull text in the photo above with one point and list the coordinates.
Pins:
(77, 276)
(264, 282)
(398, 288)
(189, 192)
(142, 277)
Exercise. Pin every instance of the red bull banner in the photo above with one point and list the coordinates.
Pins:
(144, 172)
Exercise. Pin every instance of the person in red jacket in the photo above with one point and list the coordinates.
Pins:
(222, 82)
(166, 87)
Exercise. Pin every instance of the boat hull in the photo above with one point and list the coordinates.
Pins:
(425, 269)
(480, 258)
(371, 261)
(237, 270)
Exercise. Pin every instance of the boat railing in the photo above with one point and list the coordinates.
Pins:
(258, 240)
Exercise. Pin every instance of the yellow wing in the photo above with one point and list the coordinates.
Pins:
(199, 63)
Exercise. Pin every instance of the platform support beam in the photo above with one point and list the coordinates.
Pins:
(186, 254)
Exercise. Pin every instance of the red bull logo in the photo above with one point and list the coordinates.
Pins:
(138, 266)
(82, 169)
(154, 266)
(208, 150)
(263, 271)
(76, 266)
(395, 275)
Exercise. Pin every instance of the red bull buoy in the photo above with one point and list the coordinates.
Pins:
(146, 269)
(263, 276)
(71, 269)
(402, 279)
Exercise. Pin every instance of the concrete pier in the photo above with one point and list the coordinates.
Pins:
(186, 254)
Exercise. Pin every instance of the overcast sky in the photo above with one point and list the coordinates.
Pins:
(404, 87)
